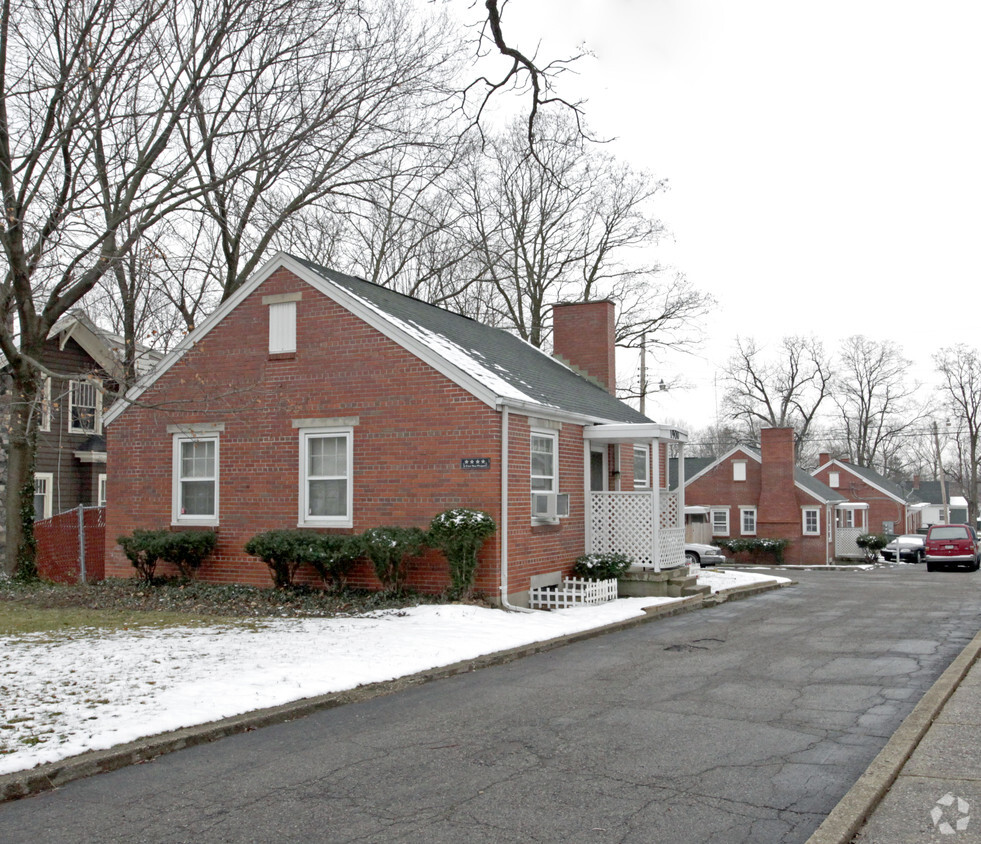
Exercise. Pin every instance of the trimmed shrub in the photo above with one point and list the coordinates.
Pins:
(776, 547)
(284, 551)
(459, 534)
(601, 566)
(187, 549)
(389, 549)
(872, 544)
(333, 556)
(144, 549)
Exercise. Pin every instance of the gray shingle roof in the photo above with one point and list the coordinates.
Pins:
(873, 477)
(522, 366)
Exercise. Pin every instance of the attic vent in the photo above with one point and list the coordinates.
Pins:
(282, 327)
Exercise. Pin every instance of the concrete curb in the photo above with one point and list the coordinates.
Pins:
(55, 774)
(847, 818)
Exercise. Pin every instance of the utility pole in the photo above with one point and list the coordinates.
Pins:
(643, 374)
(940, 472)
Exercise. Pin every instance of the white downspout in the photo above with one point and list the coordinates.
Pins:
(656, 502)
(505, 471)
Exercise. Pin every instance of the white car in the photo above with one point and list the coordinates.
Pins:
(706, 555)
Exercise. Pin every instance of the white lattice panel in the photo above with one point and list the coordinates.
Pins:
(845, 544)
(669, 509)
(574, 592)
(671, 547)
(622, 522)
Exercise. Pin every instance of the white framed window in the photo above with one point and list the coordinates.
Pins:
(846, 519)
(544, 475)
(720, 522)
(282, 327)
(101, 494)
(45, 407)
(326, 487)
(195, 493)
(747, 520)
(84, 407)
(642, 467)
(833, 480)
(811, 521)
(739, 470)
(43, 495)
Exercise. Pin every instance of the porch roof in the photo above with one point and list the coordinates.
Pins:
(626, 432)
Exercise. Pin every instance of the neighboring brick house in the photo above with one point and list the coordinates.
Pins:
(763, 494)
(880, 506)
(316, 400)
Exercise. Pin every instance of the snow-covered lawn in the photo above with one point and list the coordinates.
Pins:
(63, 694)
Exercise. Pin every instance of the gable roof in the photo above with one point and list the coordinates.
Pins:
(493, 365)
(812, 486)
(869, 476)
(104, 347)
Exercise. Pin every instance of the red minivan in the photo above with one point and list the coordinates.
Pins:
(952, 545)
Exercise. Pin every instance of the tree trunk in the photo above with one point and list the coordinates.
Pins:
(20, 551)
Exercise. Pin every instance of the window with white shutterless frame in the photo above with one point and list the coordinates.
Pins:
(642, 467)
(101, 493)
(43, 495)
(544, 475)
(747, 521)
(45, 404)
(326, 494)
(196, 478)
(85, 406)
(720, 521)
(811, 525)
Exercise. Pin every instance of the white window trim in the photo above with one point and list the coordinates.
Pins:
(305, 520)
(803, 525)
(100, 493)
(644, 482)
(554, 436)
(48, 509)
(725, 512)
(282, 327)
(742, 521)
(178, 518)
(739, 470)
(834, 480)
(97, 421)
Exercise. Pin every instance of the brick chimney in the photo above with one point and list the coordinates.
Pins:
(824, 458)
(779, 515)
(916, 481)
(584, 336)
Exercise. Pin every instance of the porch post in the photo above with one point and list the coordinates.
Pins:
(681, 483)
(587, 497)
(656, 502)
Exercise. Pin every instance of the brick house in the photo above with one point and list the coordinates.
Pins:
(315, 400)
(878, 505)
(750, 493)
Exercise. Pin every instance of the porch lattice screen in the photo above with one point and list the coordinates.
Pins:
(623, 522)
(845, 544)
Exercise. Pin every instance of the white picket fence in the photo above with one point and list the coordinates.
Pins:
(573, 592)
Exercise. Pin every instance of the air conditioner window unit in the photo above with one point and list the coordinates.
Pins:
(543, 505)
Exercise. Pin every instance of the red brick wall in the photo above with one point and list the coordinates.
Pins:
(584, 334)
(717, 489)
(882, 507)
(414, 428)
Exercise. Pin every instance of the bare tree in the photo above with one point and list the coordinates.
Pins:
(573, 225)
(784, 390)
(94, 97)
(875, 400)
(960, 370)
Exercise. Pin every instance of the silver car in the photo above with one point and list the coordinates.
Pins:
(909, 546)
(706, 555)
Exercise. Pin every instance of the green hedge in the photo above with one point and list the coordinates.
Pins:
(460, 533)
(187, 550)
(754, 546)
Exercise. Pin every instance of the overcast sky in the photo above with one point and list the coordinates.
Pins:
(823, 161)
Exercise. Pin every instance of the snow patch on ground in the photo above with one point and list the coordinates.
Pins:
(64, 694)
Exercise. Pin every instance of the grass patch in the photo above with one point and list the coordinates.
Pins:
(20, 619)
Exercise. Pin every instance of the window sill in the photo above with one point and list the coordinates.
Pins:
(194, 523)
(282, 356)
(346, 523)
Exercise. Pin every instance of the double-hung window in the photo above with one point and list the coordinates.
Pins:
(642, 467)
(544, 475)
(326, 489)
(196, 479)
(84, 407)
(43, 495)
(812, 521)
(720, 522)
(45, 408)
(747, 517)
